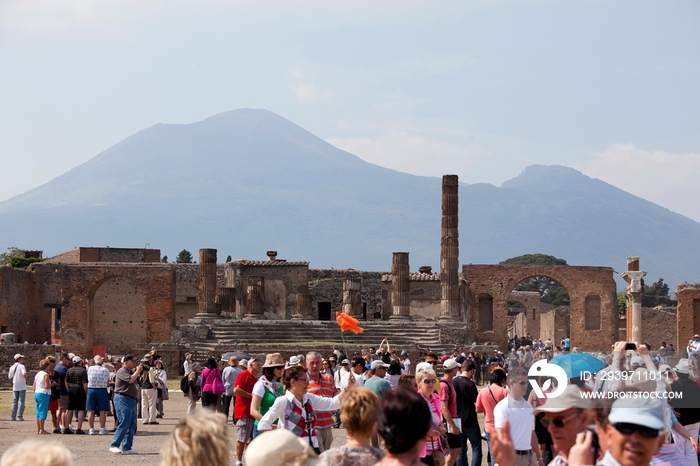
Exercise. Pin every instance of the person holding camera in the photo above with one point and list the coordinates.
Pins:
(126, 394)
(149, 393)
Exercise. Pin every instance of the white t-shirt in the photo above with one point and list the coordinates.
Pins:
(258, 389)
(17, 374)
(519, 416)
(359, 381)
(406, 366)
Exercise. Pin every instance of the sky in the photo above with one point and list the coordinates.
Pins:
(478, 88)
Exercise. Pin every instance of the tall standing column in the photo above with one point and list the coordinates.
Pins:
(400, 287)
(207, 283)
(302, 307)
(634, 293)
(449, 249)
(255, 298)
(352, 297)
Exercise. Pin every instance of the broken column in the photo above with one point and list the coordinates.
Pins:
(352, 297)
(400, 287)
(207, 283)
(634, 293)
(449, 249)
(302, 307)
(255, 298)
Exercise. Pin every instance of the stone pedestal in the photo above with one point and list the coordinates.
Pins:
(255, 298)
(207, 284)
(352, 297)
(449, 249)
(400, 287)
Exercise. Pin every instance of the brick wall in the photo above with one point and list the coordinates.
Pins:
(32, 355)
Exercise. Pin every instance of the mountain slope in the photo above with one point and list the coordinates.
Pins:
(248, 181)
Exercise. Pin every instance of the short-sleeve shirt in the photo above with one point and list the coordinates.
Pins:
(449, 395)
(98, 376)
(122, 385)
(519, 416)
(322, 386)
(467, 394)
(245, 381)
(486, 403)
(62, 370)
(19, 382)
(378, 386)
(76, 377)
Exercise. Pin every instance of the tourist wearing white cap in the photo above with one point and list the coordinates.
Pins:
(18, 375)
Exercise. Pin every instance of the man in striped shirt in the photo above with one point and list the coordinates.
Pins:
(321, 385)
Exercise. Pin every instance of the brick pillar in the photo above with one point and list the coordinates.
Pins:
(634, 292)
(302, 307)
(255, 298)
(688, 314)
(400, 287)
(352, 297)
(207, 283)
(449, 249)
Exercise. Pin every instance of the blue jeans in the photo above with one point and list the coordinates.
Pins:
(488, 443)
(126, 413)
(18, 399)
(473, 434)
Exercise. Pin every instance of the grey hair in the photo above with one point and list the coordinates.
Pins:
(314, 354)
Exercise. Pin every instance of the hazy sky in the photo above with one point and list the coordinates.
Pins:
(477, 88)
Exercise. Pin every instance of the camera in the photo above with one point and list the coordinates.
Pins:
(145, 366)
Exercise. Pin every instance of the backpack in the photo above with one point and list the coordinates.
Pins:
(185, 385)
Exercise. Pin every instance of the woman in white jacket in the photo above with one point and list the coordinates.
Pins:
(296, 409)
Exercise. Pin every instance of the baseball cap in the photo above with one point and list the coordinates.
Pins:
(345, 362)
(460, 359)
(378, 363)
(76, 359)
(570, 398)
(636, 361)
(647, 412)
(128, 357)
(17, 356)
(450, 364)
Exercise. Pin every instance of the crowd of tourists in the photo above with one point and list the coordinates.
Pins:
(633, 411)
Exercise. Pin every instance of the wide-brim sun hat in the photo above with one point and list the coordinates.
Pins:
(273, 360)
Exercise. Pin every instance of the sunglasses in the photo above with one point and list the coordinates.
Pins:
(626, 428)
(431, 362)
(429, 381)
(558, 422)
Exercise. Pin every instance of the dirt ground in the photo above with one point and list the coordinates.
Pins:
(89, 450)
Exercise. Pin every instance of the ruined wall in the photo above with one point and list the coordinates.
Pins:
(425, 295)
(326, 285)
(81, 283)
(491, 285)
(120, 315)
(659, 325)
(688, 323)
(127, 255)
(14, 285)
(282, 281)
(554, 323)
(529, 319)
(32, 355)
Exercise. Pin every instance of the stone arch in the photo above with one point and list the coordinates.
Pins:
(579, 282)
(82, 282)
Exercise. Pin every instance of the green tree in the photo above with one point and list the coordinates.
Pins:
(228, 258)
(184, 257)
(12, 251)
(657, 294)
(164, 259)
(550, 290)
(622, 303)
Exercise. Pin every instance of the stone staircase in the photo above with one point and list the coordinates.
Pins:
(401, 335)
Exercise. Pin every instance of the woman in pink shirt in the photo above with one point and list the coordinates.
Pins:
(487, 399)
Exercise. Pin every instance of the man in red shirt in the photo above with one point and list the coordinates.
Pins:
(243, 389)
(321, 385)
